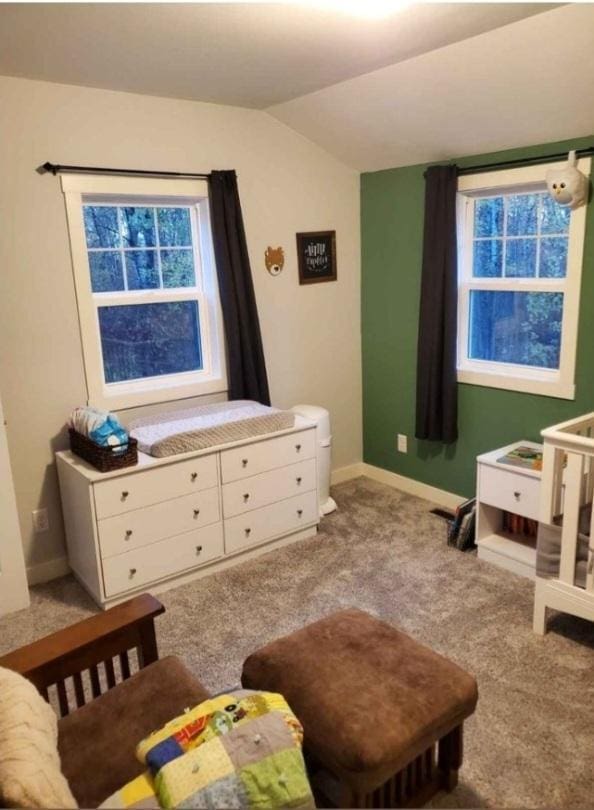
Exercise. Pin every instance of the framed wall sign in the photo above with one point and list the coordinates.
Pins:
(316, 255)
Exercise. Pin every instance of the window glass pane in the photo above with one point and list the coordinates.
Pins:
(141, 269)
(553, 218)
(101, 226)
(488, 217)
(138, 227)
(106, 270)
(520, 257)
(174, 227)
(487, 258)
(521, 214)
(516, 327)
(553, 257)
(149, 340)
(177, 267)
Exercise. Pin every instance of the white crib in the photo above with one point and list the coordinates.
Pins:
(567, 485)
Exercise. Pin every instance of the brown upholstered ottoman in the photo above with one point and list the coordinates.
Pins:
(382, 714)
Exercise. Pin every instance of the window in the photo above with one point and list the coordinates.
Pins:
(519, 268)
(146, 289)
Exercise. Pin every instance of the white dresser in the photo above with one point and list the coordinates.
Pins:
(166, 521)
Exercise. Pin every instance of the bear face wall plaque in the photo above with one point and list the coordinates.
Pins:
(274, 259)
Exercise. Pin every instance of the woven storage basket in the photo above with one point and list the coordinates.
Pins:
(105, 459)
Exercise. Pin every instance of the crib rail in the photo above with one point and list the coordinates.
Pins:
(568, 484)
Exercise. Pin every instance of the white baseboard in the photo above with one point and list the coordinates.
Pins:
(449, 500)
(45, 571)
(346, 473)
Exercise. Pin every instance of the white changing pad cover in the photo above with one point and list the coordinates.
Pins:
(168, 434)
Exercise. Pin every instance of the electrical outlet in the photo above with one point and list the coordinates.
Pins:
(40, 520)
(402, 444)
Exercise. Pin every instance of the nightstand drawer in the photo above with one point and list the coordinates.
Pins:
(271, 521)
(252, 459)
(135, 490)
(163, 559)
(261, 490)
(140, 527)
(509, 490)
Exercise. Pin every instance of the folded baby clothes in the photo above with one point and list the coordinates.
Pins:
(100, 427)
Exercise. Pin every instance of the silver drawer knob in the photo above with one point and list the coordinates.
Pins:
(198, 550)
(244, 462)
(517, 495)
(128, 534)
(248, 532)
(132, 572)
(299, 480)
(246, 497)
(298, 447)
(299, 512)
(194, 476)
(196, 512)
(125, 494)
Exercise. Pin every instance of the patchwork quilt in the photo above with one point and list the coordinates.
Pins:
(239, 750)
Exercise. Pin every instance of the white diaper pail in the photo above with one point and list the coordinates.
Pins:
(321, 419)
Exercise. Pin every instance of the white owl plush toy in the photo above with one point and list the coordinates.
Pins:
(568, 186)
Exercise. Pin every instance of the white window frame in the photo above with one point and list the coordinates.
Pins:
(516, 377)
(80, 190)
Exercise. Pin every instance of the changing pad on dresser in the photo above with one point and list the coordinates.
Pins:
(168, 434)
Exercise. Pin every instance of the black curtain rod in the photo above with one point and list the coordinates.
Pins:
(56, 168)
(533, 161)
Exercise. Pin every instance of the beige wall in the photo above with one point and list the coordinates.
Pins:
(311, 334)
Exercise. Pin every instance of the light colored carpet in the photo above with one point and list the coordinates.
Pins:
(531, 741)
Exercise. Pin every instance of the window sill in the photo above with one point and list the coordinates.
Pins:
(118, 401)
(509, 382)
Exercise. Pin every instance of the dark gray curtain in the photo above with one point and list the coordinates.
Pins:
(246, 368)
(437, 401)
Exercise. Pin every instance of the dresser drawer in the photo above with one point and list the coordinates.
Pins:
(135, 490)
(264, 524)
(251, 459)
(261, 490)
(160, 560)
(509, 491)
(140, 527)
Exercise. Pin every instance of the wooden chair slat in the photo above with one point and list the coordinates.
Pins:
(62, 698)
(125, 665)
(110, 673)
(95, 681)
(79, 690)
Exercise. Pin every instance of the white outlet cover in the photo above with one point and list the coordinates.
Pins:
(402, 443)
(40, 520)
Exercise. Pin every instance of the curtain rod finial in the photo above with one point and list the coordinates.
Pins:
(46, 167)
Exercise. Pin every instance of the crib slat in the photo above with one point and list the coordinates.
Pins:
(571, 515)
(590, 563)
(589, 484)
(550, 487)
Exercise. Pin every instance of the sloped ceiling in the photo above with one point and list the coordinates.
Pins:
(430, 82)
(245, 54)
(526, 83)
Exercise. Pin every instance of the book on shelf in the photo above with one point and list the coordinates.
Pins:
(516, 524)
(522, 456)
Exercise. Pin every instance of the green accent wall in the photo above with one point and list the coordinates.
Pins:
(392, 240)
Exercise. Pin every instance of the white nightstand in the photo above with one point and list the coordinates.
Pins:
(506, 488)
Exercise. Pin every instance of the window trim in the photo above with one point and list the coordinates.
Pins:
(515, 377)
(212, 379)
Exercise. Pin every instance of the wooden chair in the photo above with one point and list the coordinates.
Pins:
(76, 664)
(102, 675)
